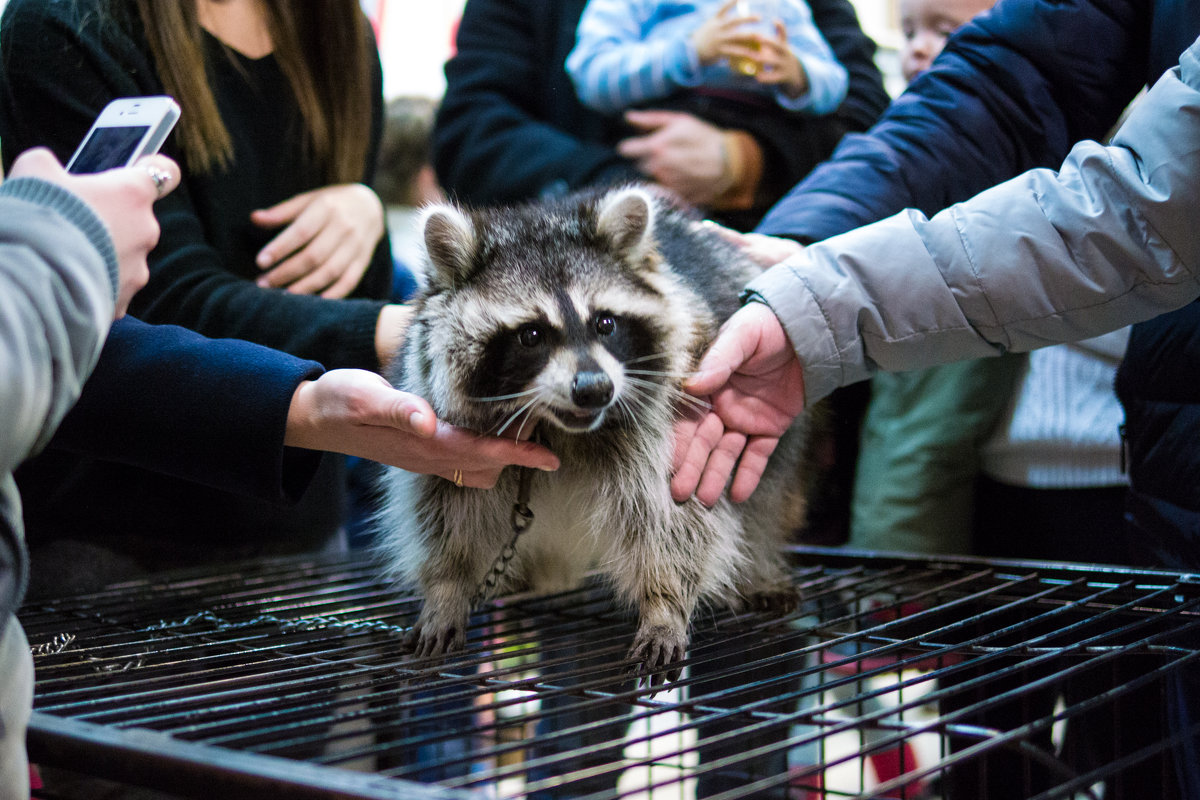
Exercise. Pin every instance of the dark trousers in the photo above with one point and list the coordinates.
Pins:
(1084, 525)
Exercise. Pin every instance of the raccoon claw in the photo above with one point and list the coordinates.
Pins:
(783, 600)
(426, 643)
(652, 651)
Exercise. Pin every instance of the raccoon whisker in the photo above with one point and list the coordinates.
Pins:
(500, 397)
(521, 429)
(659, 373)
(520, 411)
(636, 399)
(677, 394)
(642, 388)
(650, 357)
(698, 403)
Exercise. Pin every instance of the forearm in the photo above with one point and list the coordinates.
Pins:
(210, 411)
(59, 292)
(190, 286)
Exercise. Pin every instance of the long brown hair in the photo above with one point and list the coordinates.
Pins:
(321, 47)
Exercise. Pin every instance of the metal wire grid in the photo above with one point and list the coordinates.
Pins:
(288, 678)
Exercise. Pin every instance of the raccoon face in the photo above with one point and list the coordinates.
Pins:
(559, 317)
(570, 369)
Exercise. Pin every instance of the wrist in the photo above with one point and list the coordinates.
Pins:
(300, 426)
(389, 331)
(797, 79)
(743, 172)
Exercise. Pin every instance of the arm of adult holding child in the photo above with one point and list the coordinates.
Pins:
(1047, 257)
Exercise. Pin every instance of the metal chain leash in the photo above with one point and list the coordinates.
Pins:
(522, 518)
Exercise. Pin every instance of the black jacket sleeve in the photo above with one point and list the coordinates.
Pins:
(210, 411)
(510, 127)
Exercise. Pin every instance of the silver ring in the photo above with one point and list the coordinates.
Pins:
(159, 177)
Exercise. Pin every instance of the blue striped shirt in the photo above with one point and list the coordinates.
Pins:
(628, 52)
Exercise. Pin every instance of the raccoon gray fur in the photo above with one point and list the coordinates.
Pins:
(581, 317)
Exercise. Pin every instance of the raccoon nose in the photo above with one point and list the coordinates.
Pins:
(591, 389)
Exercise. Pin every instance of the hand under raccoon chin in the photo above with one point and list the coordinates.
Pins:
(580, 317)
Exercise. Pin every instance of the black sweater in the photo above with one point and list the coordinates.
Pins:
(60, 65)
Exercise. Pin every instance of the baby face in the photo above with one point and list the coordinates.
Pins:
(926, 24)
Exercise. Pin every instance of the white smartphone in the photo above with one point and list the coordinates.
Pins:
(126, 130)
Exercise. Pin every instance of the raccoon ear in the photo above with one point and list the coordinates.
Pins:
(626, 217)
(450, 242)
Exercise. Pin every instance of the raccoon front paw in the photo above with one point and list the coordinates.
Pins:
(778, 600)
(436, 641)
(654, 648)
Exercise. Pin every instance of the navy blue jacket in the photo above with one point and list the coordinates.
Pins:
(1013, 90)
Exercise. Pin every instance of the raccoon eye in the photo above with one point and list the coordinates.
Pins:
(530, 336)
(605, 325)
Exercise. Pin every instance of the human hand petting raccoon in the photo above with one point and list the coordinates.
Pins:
(328, 236)
(358, 413)
(755, 384)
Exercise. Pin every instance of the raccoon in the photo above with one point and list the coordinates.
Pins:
(581, 317)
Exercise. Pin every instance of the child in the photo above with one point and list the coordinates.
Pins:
(926, 25)
(631, 52)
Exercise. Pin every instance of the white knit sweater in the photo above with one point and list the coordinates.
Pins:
(1061, 429)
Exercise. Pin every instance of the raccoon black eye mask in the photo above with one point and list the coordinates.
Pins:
(580, 318)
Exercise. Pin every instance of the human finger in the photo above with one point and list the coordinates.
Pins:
(314, 260)
(163, 172)
(648, 119)
(303, 220)
(717, 471)
(347, 280)
(283, 212)
(751, 466)
(693, 444)
(511, 452)
(722, 359)
(381, 404)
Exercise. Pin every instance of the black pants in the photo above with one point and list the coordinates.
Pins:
(1083, 525)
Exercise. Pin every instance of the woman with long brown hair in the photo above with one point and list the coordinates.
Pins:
(282, 116)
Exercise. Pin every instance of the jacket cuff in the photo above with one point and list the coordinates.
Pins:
(787, 292)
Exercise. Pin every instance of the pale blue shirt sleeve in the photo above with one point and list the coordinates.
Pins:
(828, 80)
(613, 68)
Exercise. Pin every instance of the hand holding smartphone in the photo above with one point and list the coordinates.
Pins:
(126, 130)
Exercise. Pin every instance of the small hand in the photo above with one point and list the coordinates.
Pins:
(712, 37)
(756, 386)
(778, 65)
(327, 243)
(359, 413)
